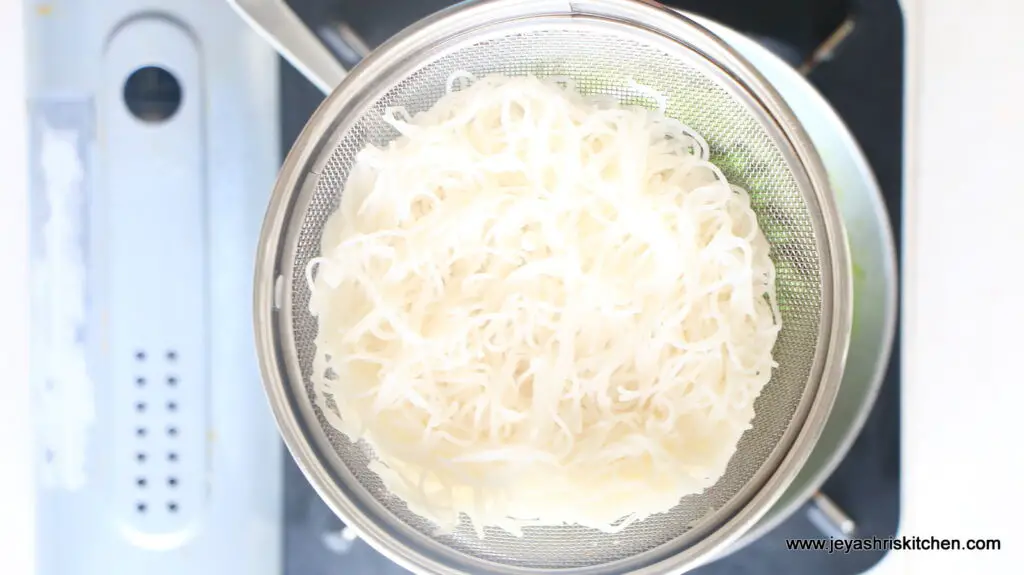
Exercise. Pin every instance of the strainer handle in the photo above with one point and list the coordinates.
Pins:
(283, 29)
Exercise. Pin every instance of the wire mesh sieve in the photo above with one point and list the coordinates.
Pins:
(602, 45)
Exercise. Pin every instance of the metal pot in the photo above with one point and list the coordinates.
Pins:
(857, 194)
(874, 274)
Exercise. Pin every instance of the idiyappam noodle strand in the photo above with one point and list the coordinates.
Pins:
(542, 308)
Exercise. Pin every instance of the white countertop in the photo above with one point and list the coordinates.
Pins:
(963, 385)
(17, 525)
(963, 320)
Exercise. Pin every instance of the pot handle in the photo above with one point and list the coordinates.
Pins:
(282, 28)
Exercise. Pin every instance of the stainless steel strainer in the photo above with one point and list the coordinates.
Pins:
(602, 44)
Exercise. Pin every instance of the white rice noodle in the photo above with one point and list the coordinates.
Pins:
(541, 308)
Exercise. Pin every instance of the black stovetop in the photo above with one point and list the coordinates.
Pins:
(863, 80)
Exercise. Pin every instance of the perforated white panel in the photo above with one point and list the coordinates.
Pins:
(158, 454)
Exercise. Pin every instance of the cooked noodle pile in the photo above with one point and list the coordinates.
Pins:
(541, 308)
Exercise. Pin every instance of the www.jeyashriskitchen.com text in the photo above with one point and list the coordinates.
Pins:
(902, 543)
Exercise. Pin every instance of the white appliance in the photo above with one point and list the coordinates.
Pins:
(153, 144)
